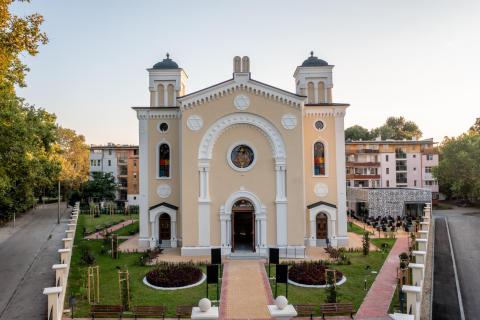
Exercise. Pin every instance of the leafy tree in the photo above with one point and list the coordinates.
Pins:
(102, 186)
(356, 133)
(17, 36)
(476, 126)
(397, 128)
(458, 171)
(73, 157)
(27, 156)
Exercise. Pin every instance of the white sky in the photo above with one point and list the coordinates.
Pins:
(417, 59)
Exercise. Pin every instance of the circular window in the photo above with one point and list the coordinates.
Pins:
(242, 157)
(319, 125)
(163, 127)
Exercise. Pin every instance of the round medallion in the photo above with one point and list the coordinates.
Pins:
(164, 191)
(194, 122)
(289, 121)
(241, 102)
(319, 125)
(320, 190)
(241, 157)
(162, 127)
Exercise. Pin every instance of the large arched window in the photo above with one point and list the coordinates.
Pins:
(319, 159)
(164, 161)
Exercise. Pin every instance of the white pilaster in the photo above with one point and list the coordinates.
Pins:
(165, 94)
(204, 206)
(281, 204)
(341, 176)
(145, 235)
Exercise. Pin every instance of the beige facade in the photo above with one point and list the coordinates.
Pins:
(242, 165)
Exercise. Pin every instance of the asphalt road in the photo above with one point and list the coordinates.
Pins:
(27, 254)
(464, 229)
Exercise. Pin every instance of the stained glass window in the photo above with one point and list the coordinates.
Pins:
(242, 156)
(319, 159)
(164, 161)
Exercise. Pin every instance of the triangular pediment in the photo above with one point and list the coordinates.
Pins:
(240, 82)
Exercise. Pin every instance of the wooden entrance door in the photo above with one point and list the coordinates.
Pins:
(164, 227)
(322, 226)
(243, 226)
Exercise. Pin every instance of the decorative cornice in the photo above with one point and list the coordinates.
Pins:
(145, 113)
(240, 84)
(337, 111)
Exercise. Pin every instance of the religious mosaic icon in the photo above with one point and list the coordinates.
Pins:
(242, 156)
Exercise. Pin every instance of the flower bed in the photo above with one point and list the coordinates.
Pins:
(174, 275)
(311, 273)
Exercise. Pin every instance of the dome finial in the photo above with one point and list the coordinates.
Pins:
(311, 53)
(168, 55)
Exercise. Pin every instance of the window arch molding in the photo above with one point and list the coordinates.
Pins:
(157, 166)
(325, 157)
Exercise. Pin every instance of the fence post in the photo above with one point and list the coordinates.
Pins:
(64, 255)
(54, 309)
(413, 300)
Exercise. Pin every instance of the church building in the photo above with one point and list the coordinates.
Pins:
(242, 165)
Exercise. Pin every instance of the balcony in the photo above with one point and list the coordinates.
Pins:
(401, 168)
(363, 176)
(363, 151)
(402, 181)
(400, 155)
(362, 164)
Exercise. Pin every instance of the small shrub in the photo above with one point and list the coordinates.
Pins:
(87, 257)
(172, 275)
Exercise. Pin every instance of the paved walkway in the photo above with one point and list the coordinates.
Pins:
(100, 234)
(376, 303)
(245, 290)
(26, 257)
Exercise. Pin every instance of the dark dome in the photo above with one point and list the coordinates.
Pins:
(313, 61)
(166, 64)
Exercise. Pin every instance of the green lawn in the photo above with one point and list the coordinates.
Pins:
(91, 223)
(352, 227)
(352, 290)
(109, 292)
(129, 230)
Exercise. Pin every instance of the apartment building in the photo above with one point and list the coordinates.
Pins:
(122, 162)
(392, 164)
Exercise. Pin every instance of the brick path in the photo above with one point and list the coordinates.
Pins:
(245, 290)
(376, 303)
(100, 234)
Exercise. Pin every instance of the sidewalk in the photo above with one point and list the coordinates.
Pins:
(245, 290)
(376, 303)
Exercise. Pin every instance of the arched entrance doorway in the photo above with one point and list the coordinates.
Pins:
(243, 226)
(322, 226)
(164, 228)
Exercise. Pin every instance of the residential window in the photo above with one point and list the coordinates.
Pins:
(164, 161)
(319, 159)
(134, 163)
(135, 175)
(388, 170)
(386, 158)
(414, 168)
(414, 183)
(109, 163)
(388, 183)
(414, 155)
(429, 156)
(91, 163)
(110, 152)
(428, 169)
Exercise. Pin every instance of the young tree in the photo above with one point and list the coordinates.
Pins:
(331, 289)
(17, 36)
(366, 243)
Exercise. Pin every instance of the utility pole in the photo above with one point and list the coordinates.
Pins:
(58, 213)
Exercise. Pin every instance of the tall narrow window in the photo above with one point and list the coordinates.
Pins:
(319, 159)
(164, 161)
